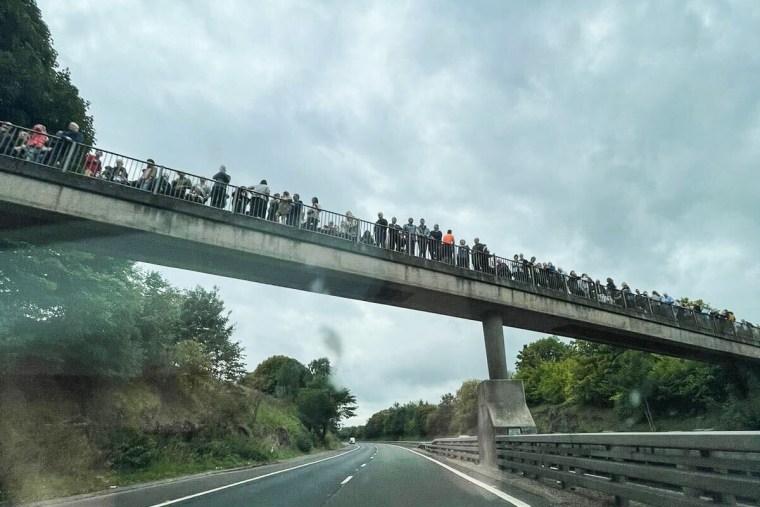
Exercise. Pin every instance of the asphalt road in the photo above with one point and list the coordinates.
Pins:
(362, 475)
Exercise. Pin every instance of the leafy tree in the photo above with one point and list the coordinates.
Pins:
(268, 377)
(465, 419)
(192, 364)
(375, 427)
(682, 386)
(556, 381)
(320, 367)
(202, 318)
(158, 322)
(439, 421)
(594, 379)
(322, 405)
(532, 365)
(66, 312)
(32, 88)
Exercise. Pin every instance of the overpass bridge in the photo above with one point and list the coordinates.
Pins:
(41, 203)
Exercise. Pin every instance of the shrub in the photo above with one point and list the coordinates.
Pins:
(131, 450)
(304, 442)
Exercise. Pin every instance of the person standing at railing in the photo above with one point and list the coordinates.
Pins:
(295, 213)
(479, 256)
(463, 255)
(259, 199)
(66, 146)
(273, 205)
(283, 207)
(148, 176)
(434, 243)
(410, 235)
(312, 215)
(394, 235)
(381, 228)
(219, 190)
(423, 233)
(448, 247)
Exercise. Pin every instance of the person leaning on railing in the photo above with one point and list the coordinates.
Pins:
(259, 199)
(66, 145)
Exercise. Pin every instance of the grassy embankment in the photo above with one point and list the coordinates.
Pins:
(64, 437)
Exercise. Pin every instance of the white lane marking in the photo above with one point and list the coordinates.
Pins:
(363, 465)
(514, 501)
(202, 493)
(346, 479)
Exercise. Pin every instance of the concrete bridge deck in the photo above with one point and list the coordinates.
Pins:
(39, 204)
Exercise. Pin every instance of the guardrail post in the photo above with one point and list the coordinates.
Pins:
(619, 500)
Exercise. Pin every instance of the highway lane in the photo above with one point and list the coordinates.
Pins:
(363, 475)
(402, 477)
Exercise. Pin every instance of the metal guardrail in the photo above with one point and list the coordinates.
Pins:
(149, 176)
(661, 469)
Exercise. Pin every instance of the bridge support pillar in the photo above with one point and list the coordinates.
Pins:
(501, 402)
(493, 331)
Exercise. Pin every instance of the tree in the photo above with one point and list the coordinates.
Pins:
(202, 318)
(320, 367)
(32, 88)
(439, 421)
(158, 322)
(322, 405)
(594, 380)
(465, 419)
(278, 375)
(65, 312)
(537, 365)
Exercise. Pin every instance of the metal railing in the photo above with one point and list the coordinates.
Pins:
(217, 192)
(663, 469)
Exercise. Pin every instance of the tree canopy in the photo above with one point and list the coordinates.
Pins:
(32, 87)
(66, 312)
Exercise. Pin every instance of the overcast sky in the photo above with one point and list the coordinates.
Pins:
(617, 138)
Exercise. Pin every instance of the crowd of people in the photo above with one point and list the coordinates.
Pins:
(413, 239)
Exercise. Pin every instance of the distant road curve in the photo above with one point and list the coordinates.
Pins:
(363, 475)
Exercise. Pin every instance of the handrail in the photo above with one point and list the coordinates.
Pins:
(148, 176)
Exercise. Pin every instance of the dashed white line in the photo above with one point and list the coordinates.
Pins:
(363, 465)
(202, 493)
(514, 501)
(346, 479)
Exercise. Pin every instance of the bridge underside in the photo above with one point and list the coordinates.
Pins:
(162, 231)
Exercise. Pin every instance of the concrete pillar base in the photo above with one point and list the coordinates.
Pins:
(501, 411)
